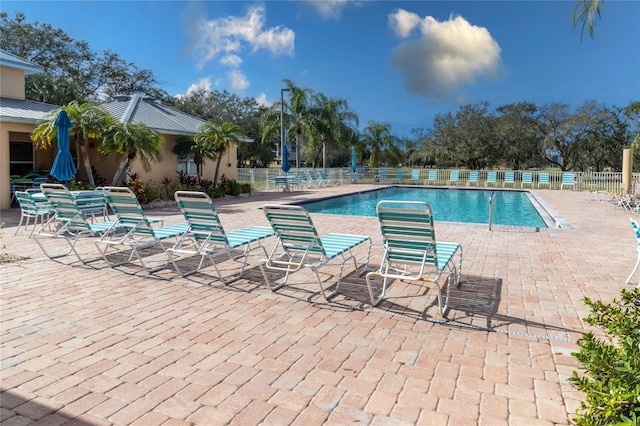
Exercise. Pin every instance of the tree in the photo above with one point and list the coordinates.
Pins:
(552, 129)
(71, 62)
(632, 114)
(215, 139)
(606, 135)
(90, 123)
(131, 140)
(51, 90)
(474, 142)
(381, 143)
(300, 116)
(223, 106)
(516, 132)
(334, 126)
(585, 12)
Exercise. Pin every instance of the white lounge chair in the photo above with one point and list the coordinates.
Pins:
(411, 252)
(32, 209)
(568, 179)
(527, 179)
(415, 177)
(432, 177)
(636, 231)
(135, 231)
(492, 178)
(300, 246)
(454, 176)
(509, 179)
(544, 179)
(473, 178)
(69, 223)
(206, 237)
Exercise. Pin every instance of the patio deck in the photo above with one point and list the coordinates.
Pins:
(93, 345)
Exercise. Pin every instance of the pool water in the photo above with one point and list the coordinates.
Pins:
(512, 208)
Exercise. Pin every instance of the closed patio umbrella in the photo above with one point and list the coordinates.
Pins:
(285, 159)
(354, 160)
(63, 168)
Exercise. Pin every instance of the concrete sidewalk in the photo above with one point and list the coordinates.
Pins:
(95, 345)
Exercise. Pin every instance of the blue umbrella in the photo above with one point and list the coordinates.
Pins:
(63, 167)
(354, 160)
(285, 159)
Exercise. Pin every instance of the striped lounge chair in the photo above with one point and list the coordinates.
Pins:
(206, 237)
(411, 252)
(300, 246)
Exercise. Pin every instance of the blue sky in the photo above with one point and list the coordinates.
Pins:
(397, 62)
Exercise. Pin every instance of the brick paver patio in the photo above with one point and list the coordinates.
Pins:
(95, 345)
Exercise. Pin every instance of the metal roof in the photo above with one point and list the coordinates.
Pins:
(23, 111)
(12, 61)
(148, 111)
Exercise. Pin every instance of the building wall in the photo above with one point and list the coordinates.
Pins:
(9, 132)
(169, 164)
(11, 83)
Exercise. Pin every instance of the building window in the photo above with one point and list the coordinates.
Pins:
(187, 166)
(20, 158)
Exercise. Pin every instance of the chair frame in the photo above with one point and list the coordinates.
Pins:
(527, 179)
(636, 230)
(544, 179)
(454, 177)
(473, 178)
(415, 176)
(207, 238)
(382, 177)
(509, 179)
(492, 178)
(300, 246)
(69, 223)
(432, 176)
(568, 179)
(399, 176)
(409, 243)
(135, 230)
(30, 209)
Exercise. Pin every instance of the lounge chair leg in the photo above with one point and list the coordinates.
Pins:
(633, 271)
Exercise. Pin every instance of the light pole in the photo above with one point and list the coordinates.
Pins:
(282, 124)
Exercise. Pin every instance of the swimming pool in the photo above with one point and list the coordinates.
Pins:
(513, 208)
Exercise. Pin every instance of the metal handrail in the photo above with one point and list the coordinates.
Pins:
(491, 208)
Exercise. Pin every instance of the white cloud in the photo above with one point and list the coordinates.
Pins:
(261, 99)
(203, 83)
(225, 39)
(232, 34)
(445, 56)
(237, 79)
(403, 22)
(231, 61)
(332, 9)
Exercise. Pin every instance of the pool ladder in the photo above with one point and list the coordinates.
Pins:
(491, 208)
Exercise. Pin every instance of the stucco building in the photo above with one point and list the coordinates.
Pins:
(18, 118)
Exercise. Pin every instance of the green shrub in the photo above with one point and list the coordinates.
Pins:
(246, 188)
(213, 192)
(150, 194)
(611, 379)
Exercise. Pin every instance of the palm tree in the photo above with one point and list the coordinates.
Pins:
(378, 137)
(335, 124)
(215, 139)
(585, 12)
(185, 147)
(90, 122)
(131, 141)
(300, 116)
